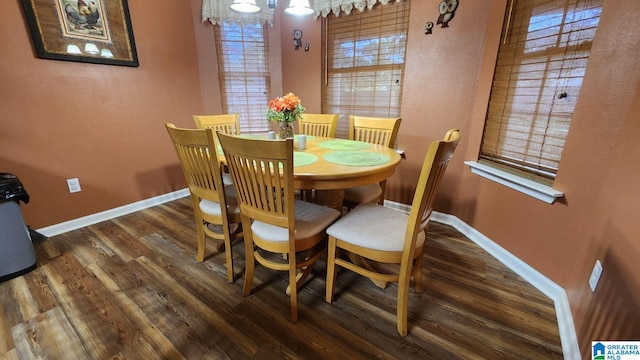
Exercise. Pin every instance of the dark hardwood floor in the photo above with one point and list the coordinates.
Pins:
(130, 288)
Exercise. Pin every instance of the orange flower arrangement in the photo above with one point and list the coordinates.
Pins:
(285, 109)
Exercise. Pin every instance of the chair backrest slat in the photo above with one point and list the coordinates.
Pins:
(196, 151)
(226, 123)
(262, 171)
(380, 131)
(324, 125)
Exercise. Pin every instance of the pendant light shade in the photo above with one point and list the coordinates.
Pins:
(299, 7)
(245, 6)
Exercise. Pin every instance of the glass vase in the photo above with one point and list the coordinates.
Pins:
(285, 130)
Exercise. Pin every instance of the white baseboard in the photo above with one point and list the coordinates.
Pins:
(110, 214)
(566, 328)
(568, 337)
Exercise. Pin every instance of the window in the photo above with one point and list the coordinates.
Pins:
(365, 54)
(541, 62)
(243, 70)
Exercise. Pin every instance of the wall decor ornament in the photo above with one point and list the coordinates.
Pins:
(428, 27)
(447, 10)
(297, 39)
(92, 31)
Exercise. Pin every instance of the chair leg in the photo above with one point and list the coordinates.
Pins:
(331, 269)
(249, 266)
(201, 240)
(305, 271)
(417, 275)
(229, 257)
(293, 288)
(403, 299)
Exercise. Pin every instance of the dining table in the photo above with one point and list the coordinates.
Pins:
(325, 167)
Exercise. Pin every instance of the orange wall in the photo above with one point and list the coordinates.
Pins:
(104, 124)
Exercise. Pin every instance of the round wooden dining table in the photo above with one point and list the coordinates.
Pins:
(328, 166)
(325, 167)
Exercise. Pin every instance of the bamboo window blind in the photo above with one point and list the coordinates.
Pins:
(364, 63)
(541, 62)
(243, 71)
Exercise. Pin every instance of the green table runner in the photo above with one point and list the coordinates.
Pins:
(356, 158)
(341, 144)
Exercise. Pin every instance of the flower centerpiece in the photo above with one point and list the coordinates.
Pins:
(285, 110)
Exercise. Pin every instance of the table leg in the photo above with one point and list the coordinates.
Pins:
(330, 198)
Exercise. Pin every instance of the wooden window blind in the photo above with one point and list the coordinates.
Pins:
(541, 62)
(243, 70)
(364, 63)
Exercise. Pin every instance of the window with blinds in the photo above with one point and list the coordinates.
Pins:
(243, 69)
(541, 62)
(364, 62)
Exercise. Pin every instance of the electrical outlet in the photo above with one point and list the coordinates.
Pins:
(74, 185)
(595, 275)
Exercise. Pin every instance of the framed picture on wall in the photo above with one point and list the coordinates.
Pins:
(93, 31)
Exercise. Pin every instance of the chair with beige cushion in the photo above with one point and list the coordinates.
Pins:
(380, 131)
(214, 205)
(374, 233)
(318, 124)
(274, 222)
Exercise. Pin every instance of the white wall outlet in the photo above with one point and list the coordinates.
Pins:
(74, 185)
(595, 275)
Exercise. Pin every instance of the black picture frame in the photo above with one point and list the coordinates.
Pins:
(91, 31)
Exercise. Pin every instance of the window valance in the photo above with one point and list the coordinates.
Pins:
(324, 7)
(217, 11)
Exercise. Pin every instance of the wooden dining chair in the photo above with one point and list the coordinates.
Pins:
(318, 124)
(380, 131)
(371, 232)
(274, 222)
(227, 123)
(214, 205)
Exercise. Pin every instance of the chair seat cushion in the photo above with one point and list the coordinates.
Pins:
(375, 227)
(311, 219)
(363, 194)
(226, 179)
(213, 208)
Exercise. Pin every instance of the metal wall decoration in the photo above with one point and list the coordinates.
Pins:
(297, 39)
(93, 31)
(447, 10)
(428, 27)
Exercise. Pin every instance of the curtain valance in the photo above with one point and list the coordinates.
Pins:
(324, 7)
(217, 11)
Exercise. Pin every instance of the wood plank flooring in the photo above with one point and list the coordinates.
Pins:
(130, 288)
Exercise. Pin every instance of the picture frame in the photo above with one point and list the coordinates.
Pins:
(90, 31)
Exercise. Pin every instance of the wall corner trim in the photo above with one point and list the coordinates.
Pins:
(566, 328)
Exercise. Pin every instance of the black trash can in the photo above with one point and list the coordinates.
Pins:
(17, 256)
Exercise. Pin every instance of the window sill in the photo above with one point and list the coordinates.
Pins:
(539, 191)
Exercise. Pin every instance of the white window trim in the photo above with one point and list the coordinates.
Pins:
(539, 191)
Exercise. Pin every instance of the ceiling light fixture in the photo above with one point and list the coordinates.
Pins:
(299, 8)
(245, 6)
